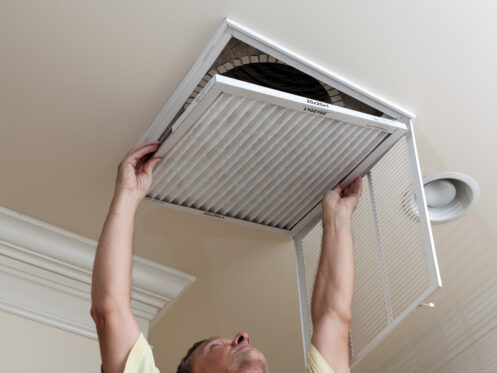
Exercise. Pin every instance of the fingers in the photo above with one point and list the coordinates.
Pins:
(338, 189)
(359, 185)
(150, 165)
(354, 188)
(139, 151)
(140, 163)
(133, 149)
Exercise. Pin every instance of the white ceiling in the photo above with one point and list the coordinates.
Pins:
(81, 81)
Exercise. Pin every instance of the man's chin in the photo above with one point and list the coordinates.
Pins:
(250, 359)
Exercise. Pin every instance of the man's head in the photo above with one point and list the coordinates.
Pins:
(221, 355)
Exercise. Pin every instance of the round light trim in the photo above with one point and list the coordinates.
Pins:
(439, 193)
(449, 195)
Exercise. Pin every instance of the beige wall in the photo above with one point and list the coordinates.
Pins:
(246, 280)
(30, 346)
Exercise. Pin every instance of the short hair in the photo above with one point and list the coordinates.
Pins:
(186, 364)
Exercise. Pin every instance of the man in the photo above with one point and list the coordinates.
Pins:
(123, 347)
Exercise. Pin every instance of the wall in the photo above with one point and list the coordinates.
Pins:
(30, 346)
(246, 281)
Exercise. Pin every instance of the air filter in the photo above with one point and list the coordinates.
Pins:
(262, 156)
(256, 134)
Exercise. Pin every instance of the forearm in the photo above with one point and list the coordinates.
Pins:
(111, 280)
(334, 283)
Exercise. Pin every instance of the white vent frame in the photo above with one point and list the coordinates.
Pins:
(201, 67)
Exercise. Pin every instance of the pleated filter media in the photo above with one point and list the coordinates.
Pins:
(258, 155)
(391, 265)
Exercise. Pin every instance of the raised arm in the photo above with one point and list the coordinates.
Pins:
(334, 286)
(111, 282)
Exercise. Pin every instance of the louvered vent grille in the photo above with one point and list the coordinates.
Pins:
(370, 314)
(391, 269)
(400, 232)
(254, 160)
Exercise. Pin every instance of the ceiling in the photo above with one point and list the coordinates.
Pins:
(81, 81)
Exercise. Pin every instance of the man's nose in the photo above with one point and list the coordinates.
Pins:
(240, 338)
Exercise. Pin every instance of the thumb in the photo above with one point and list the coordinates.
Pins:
(338, 189)
(150, 165)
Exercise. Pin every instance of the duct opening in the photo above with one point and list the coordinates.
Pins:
(282, 78)
(241, 61)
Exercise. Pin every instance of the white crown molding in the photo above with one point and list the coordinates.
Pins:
(45, 275)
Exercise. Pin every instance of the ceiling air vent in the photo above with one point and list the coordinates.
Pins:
(255, 134)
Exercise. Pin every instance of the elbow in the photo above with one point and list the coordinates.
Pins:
(103, 310)
(340, 324)
(343, 316)
(106, 314)
(102, 313)
(337, 306)
(98, 317)
(346, 319)
(109, 308)
(99, 310)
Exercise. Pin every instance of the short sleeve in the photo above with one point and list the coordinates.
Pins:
(315, 362)
(141, 359)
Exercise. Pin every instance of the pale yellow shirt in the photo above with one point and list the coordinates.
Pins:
(141, 359)
(315, 362)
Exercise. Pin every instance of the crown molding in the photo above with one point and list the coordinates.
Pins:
(45, 275)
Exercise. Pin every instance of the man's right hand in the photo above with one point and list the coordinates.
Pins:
(134, 176)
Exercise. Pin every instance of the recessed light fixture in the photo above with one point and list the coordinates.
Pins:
(449, 195)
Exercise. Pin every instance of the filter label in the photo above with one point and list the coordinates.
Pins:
(317, 110)
(317, 103)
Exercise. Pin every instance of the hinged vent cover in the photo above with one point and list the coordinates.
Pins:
(262, 156)
(395, 268)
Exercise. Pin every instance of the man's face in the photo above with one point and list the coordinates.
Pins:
(221, 355)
